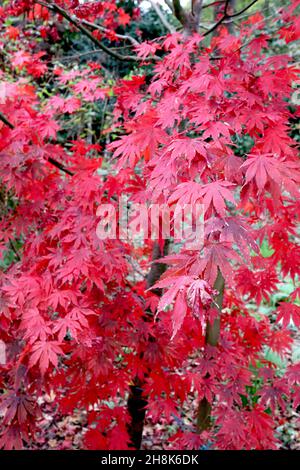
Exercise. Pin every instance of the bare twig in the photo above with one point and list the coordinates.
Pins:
(133, 41)
(11, 243)
(80, 54)
(228, 16)
(162, 17)
(215, 26)
(243, 10)
(75, 22)
(169, 3)
(60, 166)
(6, 121)
(213, 4)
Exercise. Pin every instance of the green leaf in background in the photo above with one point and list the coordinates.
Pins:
(275, 359)
(265, 249)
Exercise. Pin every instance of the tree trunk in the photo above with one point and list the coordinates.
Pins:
(211, 338)
(137, 402)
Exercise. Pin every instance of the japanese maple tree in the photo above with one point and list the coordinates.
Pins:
(125, 331)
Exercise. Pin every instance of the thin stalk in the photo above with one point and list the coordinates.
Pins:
(212, 339)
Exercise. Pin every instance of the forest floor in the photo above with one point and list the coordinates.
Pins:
(67, 433)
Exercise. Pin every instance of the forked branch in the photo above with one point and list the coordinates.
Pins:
(189, 20)
(74, 21)
(227, 15)
(162, 17)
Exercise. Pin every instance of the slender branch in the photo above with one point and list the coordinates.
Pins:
(247, 42)
(213, 4)
(169, 3)
(226, 15)
(162, 17)
(220, 20)
(84, 54)
(243, 10)
(81, 54)
(74, 21)
(230, 21)
(11, 244)
(60, 166)
(179, 12)
(6, 121)
(213, 330)
(157, 269)
(133, 41)
(51, 160)
(211, 338)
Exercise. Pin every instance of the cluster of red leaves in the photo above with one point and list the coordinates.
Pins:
(72, 319)
(110, 12)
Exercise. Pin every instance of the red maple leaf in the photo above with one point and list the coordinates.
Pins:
(45, 353)
(288, 313)
(265, 168)
(212, 195)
